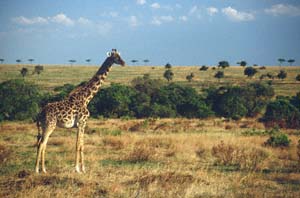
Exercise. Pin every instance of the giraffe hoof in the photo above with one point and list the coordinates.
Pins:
(77, 169)
(44, 171)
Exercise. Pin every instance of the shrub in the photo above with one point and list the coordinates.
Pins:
(183, 100)
(250, 71)
(19, 100)
(243, 158)
(24, 71)
(236, 102)
(282, 113)
(282, 74)
(298, 77)
(223, 64)
(113, 101)
(38, 69)
(139, 154)
(219, 75)
(203, 68)
(224, 153)
(168, 75)
(278, 140)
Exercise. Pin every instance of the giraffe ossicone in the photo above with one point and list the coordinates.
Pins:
(72, 112)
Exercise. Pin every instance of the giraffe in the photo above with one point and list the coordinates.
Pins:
(72, 112)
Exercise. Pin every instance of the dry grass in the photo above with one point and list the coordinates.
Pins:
(161, 158)
(57, 75)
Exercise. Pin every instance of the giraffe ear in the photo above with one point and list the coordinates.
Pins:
(108, 54)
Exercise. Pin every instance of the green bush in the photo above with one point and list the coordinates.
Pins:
(19, 100)
(278, 140)
(236, 102)
(113, 101)
(282, 113)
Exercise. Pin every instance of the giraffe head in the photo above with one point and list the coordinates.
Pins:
(115, 56)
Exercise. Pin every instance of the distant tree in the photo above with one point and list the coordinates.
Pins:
(291, 61)
(270, 75)
(19, 61)
(134, 61)
(282, 75)
(242, 63)
(1, 60)
(190, 77)
(88, 60)
(168, 66)
(72, 62)
(38, 69)
(219, 75)
(24, 71)
(281, 60)
(168, 75)
(255, 65)
(250, 71)
(31, 60)
(223, 64)
(203, 68)
(298, 77)
(146, 61)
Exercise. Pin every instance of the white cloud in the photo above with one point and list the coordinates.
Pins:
(141, 2)
(133, 21)
(84, 21)
(212, 11)
(183, 18)
(29, 21)
(155, 5)
(235, 15)
(158, 20)
(62, 19)
(283, 9)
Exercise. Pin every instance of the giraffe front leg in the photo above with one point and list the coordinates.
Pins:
(80, 148)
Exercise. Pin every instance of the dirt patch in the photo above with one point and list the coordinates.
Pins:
(4, 153)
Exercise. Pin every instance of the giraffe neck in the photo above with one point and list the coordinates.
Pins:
(86, 93)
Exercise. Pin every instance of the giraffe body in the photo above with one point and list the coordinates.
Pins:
(72, 112)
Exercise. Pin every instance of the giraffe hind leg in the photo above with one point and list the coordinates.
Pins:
(41, 150)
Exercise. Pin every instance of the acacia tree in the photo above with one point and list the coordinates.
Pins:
(242, 63)
(190, 77)
(219, 75)
(282, 75)
(146, 61)
(168, 75)
(1, 60)
(291, 61)
(223, 64)
(281, 60)
(134, 61)
(72, 62)
(250, 71)
(88, 60)
(18, 61)
(31, 60)
(168, 66)
(24, 71)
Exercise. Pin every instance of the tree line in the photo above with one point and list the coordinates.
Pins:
(146, 97)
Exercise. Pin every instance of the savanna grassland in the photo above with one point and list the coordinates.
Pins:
(152, 157)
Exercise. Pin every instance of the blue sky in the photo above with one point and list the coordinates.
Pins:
(182, 32)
